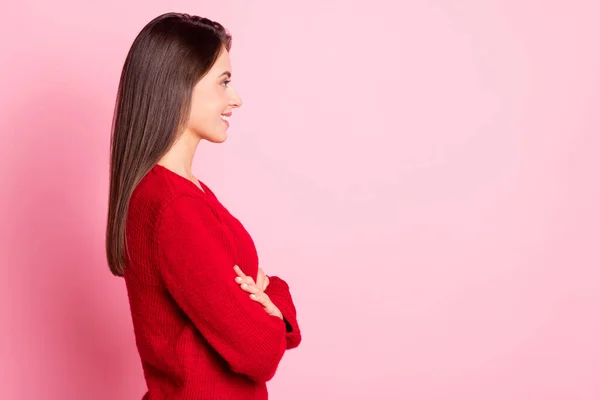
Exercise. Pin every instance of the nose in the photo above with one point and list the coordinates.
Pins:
(235, 100)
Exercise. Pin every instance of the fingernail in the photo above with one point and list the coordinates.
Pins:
(253, 296)
(244, 286)
(238, 279)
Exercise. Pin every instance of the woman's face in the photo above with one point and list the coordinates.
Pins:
(213, 100)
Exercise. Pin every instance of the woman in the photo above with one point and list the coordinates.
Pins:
(208, 323)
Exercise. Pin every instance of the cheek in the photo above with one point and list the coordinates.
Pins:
(195, 120)
(205, 118)
(206, 108)
(202, 112)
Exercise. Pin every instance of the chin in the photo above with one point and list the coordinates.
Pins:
(216, 138)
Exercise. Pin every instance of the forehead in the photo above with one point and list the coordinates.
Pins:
(222, 64)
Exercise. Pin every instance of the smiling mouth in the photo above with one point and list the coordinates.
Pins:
(225, 117)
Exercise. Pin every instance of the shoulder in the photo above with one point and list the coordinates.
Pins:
(186, 209)
(158, 192)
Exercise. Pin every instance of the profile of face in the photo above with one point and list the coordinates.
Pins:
(212, 103)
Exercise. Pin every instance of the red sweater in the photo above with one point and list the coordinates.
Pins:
(199, 335)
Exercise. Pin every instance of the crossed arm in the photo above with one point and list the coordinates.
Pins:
(197, 272)
(273, 293)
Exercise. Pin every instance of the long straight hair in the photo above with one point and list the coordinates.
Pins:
(167, 58)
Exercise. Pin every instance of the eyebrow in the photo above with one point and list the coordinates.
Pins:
(226, 73)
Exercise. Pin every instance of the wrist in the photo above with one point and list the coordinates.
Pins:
(279, 314)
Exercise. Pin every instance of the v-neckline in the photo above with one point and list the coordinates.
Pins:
(202, 188)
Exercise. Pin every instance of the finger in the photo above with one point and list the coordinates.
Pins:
(252, 289)
(264, 300)
(246, 279)
(265, 280)
(259, 298)
(260, 278)
(238, 271)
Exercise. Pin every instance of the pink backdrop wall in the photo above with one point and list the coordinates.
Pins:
(424, 174)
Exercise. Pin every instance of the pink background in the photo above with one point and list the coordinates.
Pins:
(425, 175)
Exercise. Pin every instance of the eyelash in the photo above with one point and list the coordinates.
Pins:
(226, 82)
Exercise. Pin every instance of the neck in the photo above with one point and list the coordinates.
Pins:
(180, 157)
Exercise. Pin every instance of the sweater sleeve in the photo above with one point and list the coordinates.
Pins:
(279, 293)
(198, 273)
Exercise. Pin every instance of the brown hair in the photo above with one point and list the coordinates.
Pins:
(170, 54)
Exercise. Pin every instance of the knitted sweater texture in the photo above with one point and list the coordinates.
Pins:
(198, 334)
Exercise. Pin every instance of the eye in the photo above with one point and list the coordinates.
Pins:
(226, 82)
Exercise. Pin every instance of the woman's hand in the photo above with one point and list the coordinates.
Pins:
(257, 290)
(262, 280)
